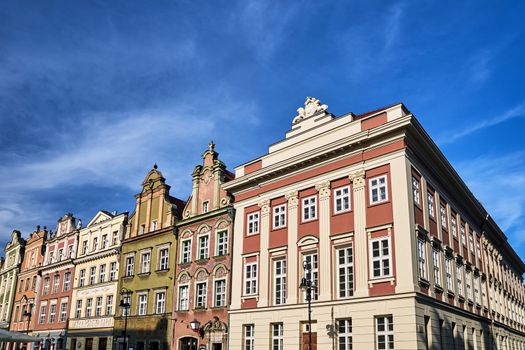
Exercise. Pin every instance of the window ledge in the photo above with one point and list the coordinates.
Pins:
(143, 274)
(220, 256)
(162, 270)
(424, 282)
(450, 292)
(219, 307)
(128, 277)
(202, 261)
(185, 264)
(373, 281)
(438, 288)
(200, 309)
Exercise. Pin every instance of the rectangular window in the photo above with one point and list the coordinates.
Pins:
(143, 304)
(378, 190)
(309, 208)
(56, 283)
(46, 286)
(484, 295)
(249, 337)
(127, 300)
(84, 247)
(98, 307)
(92, 274)
(63, 312)
(279, 275)
(160, 303)
(421, 256)
(153, 226)
(443, 215)
(279, 216)
(163, 259)
(250, 279)
(430, 204)
(253, 223)
(95, 244)
(186, 252)
(205, 206)
(102, 274)
(109, 305)
(220, 293)
(312, 274)
(380, 257)
(130, 263)
(471, 244)
(344, 334)
(342, 199)
(142, 229)
(277, 336)
(200, 298)
(463, 238)
(145, 259)
(345, 272)
(222, 243)
(384, 333)
(468, 283)
(448, 272)
(476, 289)
(415, 190)
(89, 306)
(115, 237)
(436, 262)
(454, 226)
(78, 310)
(459, 279)
(67, 281)
(113, 271)
(104, 241)
(184, 298)
(203, 247)
(42, 318)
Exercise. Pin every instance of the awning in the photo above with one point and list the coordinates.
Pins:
(17, 337)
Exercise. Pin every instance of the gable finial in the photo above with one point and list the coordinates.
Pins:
(211, 146)
(155, 166)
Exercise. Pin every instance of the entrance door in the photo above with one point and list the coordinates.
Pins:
(305, 341)
(102, 343)
(188, 343)
(89, 343)
(73, 343)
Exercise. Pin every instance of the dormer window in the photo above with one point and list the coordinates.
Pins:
(95, 243)
(104, 241)
(142, 228)
(205, 206)
(153, 226)
(84, 247)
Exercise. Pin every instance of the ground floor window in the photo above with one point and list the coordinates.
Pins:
(344, 334)
(384, 333)
(188, 343)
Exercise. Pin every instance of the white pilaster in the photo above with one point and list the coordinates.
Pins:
(293, 201)
(264, 234)
(325, 272)
(360, 241)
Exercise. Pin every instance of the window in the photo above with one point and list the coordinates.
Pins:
(277, 336)
(448, 273)
(67, 281)
(378, 190)
(380, 257)
(92, 274)
(130, 262)
(309, 208)
(437, 267)
(42, 318)
(98, 307)
(484, 295)
(51, 255)
(222, 243)
(183, 298)
(160, 303)
(454, 226)
(104, 241)
(113, 271)
(145, 259)
(471, 243)
(84, 247)
(56, 283)
(342, 199)
(78, 311)
(21, 286)
(443, 215)
(143, 304)
(385, 333)
(421, 256)
(463, 238)
(345, 272)
(279, 216)
(476, 289)
(468, 283)
(250, 279)
(142, 228)
(253, 223)
(344, 334)
(109, 305)
(17, 316)
(313, 274)
(415, 190)
(95, 244)
(127, 300)
(163, 258)
(430, 204)
(200, 299)
(205, 206)
(33, 283)
(89, 306)
(279, 275)
(115, 237)
(102, 273)
(249, 338)
(459, 279)
(220, 293)
(70, 251)
(153, 226)
(46, 286)
(186, 251)
(203, 247)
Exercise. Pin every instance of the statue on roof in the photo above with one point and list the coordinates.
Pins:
(311, 106)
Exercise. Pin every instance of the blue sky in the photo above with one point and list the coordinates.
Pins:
(92, 94)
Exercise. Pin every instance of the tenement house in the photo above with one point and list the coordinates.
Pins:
(95, 289)
(364, 217)
(204, 260)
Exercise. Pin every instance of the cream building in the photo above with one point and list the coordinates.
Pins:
(375, 210)
(95, 289)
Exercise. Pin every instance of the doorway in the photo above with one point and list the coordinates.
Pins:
(305, 341)
(188, 343)
(216, 346)
(89, 343)
(102, 343)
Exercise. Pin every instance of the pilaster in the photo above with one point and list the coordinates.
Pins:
(264, 232)
(194, 195)
(217, 185)
(324, 241)
(360, 240)
(293, 201)
(237, 271)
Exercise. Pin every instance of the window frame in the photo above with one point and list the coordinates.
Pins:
(203, 302)
(162, 310)
(277, 336)
(388, 322)
(416, 190)
(253, 223)
(187, 297)
(203, 251)
(313, 256)
(341, 197)
(431, 205)
(185, 255)
(67, 282)
(279, 217)
(251, 281)
(377, 187)
(436, 267)
(142, 305)
(217, 293)
(129, 265)
(224, 243)
(345, 334)
(279, 281)
(309, 205)
(248, 336)
(145, 264)
(164, 260)
(381, 258)
(348, 278)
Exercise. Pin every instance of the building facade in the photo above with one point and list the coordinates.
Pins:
(147, 268)
(95, 289)
(14, 255)
(26, 294)
(57, 275)
(204, 259)
(363, 208)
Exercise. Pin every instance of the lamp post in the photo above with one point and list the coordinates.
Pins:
(308, 286)
(27, 313)
(125, 305)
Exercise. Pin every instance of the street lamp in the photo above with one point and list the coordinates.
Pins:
(125, 305)
(27, 313)
(308, 286)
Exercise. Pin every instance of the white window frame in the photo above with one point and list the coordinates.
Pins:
(421, 258)
(153, 225)
(375, 184)
(42, 317)
(142, 303)
(250, 278)
(67, 282)
(145, 261)
(221, 243)
(345, 271)
(342, 199)
(102, 273)
(98, 306)
(279, 216)
(416, 193)
(462, 230)
(279, 282)
(436, 264)
(459, 279)
(78, 310)
(113, 271)
(443, 216)
(430, 205)
(468, 284)
(89, 307)
(277, 333)
(183, 303)
(164, 258)
(105, 241)
(130, 265)
(201, 301)
(52, 313)
(56, 283)
(63, 312)
(205, 206)
(47, 281)
(252, 224)
(84, 247)
(448, 273)
(313, 259)
(476, 289)
(185, 251)
(92, 275)
(160, 303)
(387, 332)
(309, 208)
(203, 246)
(109, 305)
(248, 337)
(344, 333)
(219, 293)
(454, 226)
(381, 258)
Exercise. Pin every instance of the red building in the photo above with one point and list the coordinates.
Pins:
(57, 273)
(204, 260)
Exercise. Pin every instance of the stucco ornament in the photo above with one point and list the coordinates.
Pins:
(201, 276)
(358, 178)
(220, 272)
(311, 106)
